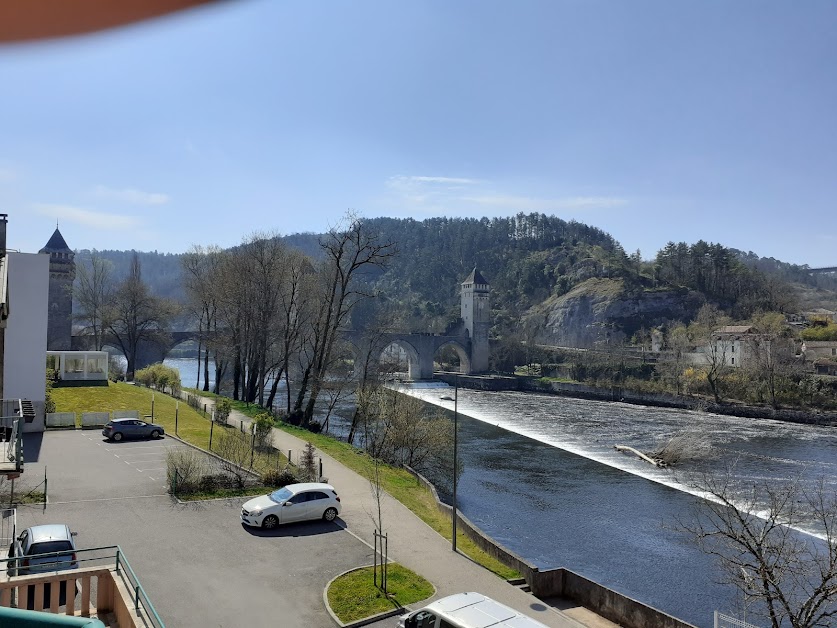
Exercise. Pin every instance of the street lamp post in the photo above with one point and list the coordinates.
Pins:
(455, 453)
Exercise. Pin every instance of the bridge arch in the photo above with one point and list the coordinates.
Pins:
(460, 351)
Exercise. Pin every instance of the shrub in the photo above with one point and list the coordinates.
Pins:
(161, 377)
(262, 427)
(315, 426)
(279, 477)
(184, 469)
(223, 407)
(294, 418)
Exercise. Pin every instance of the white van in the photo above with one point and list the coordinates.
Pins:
(467, 610)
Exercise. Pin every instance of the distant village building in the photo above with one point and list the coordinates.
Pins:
(821, 356)
(62, 272)
(734, 344)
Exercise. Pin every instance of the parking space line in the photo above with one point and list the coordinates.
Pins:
(109, 499)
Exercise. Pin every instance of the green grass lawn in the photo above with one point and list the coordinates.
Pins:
(353, 595)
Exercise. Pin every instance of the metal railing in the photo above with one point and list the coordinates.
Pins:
(11, 434)
(112, 557)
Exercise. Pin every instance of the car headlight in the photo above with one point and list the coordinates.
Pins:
(256, 513)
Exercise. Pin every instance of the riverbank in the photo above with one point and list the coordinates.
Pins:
(521, 383)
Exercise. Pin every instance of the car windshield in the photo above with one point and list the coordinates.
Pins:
(47, 547)
(281, 495)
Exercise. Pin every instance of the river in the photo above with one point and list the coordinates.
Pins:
(541, 477)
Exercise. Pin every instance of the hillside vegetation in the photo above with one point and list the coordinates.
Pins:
(534, 261)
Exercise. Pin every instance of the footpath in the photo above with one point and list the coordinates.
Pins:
(414, 544)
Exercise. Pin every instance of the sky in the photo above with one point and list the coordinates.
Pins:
(654, 121)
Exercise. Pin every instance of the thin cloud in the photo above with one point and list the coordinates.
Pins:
(405, 181)
(547, 204)
(131, 195)
(93, 219)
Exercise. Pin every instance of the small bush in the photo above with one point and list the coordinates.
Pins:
(184, 469)
(262, 427)
(223, 407)
(279, 477)
(315, 426)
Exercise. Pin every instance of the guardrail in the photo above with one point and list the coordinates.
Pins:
(106, 581)
(12, 441)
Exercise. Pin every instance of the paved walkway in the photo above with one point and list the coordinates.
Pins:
(415, 545)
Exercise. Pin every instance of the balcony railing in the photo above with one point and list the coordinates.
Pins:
(11, 436)
(105, 587)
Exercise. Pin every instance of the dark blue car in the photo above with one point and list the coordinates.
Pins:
(131, 428)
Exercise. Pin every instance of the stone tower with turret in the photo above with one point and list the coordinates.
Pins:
(62, 272)
(476, 313)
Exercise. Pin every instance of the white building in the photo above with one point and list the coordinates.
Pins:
(24, 374)
(85, 366)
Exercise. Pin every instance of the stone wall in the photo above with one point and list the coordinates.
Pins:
(582, 391)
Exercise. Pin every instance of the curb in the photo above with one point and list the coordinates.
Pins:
(366, 620)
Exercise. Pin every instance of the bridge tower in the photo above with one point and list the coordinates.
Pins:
(62, 272)
(476, 313)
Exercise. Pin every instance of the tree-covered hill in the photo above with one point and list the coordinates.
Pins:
(535, 262)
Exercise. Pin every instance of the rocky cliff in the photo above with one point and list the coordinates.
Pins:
(602, 310)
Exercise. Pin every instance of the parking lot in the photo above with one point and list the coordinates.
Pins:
(198, 564)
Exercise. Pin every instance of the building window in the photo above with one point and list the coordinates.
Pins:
(733, 361)
(833, 351)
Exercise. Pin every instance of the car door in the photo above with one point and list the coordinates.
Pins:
(295, 508)
(317, 503)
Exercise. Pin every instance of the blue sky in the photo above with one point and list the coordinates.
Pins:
(652, 120)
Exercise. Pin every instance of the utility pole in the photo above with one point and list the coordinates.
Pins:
(455, 453)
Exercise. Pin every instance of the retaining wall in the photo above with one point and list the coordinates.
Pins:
(94, 419)
(126, 414)
(61, 419)
(562, 582)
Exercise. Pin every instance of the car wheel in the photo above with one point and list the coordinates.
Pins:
(155, 433)
(117, 436)
(330, 514)
(270, 522)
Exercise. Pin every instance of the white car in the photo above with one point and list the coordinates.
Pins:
(295, 502)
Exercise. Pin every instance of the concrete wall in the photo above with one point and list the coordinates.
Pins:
(26, 333)
(562, 582)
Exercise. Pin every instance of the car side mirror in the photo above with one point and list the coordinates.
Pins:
(286, 504)
(73, 533)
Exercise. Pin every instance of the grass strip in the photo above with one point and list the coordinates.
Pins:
(354, 596)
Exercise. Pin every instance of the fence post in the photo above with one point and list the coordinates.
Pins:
(289, 456)
(176, 412)
(211, 428)
(252, 449)
(321, 468)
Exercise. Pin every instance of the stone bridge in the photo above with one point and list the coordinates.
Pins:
(420, 349)
(147, 352)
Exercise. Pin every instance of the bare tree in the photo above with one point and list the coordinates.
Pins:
(791, 578)
(93, 291)
(236, 451)
(349, 251)
(773, 351)
(716, 348)
(134, 315)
